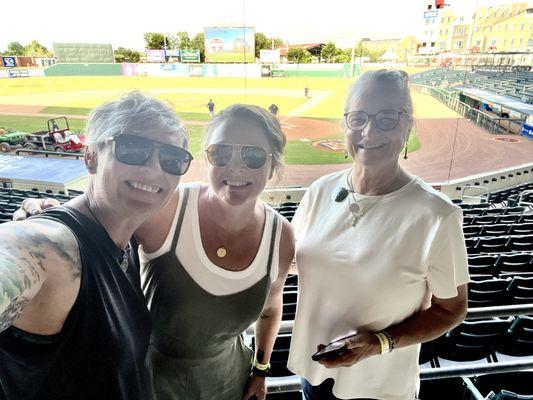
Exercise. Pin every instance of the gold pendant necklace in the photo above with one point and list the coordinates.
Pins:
(221, 252)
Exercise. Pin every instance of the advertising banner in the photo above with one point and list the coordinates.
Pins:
(9, 62)
(155, 55)
(173, 53)
(231, 45)
(190, 56)
(196, 70)
(527, 131)
(269, 56)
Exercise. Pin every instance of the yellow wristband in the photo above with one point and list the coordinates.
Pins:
(383, 341)
(260, 367)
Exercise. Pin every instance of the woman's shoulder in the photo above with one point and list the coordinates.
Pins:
(433, 199)
(328, 182)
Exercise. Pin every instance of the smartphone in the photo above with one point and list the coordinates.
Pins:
(335, 348)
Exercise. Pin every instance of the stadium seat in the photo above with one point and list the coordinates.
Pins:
(483, 264)
(494, 230)
(508, 386)
(514, 263)
(473, 340)
(488, 293)
(520, 290)
(519, 341)
(521, 243)
(525, 228)
(485, 220)
(493, 245)
(472, 230)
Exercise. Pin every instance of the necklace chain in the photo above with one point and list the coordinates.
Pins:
(124, 262)
(354, 207)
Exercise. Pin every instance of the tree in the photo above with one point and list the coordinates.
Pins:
(263, 42)
(15, 49)
(36, 49)
(197, 43)
(183, 40)
(330, 52)
(154, 40)
(123, 55)
(299, 56)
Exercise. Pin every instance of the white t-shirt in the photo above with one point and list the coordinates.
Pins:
(371, 276)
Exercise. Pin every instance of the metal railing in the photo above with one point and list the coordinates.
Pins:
(47, 153)
(293, 384)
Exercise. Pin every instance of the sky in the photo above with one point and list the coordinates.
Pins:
(123, 23)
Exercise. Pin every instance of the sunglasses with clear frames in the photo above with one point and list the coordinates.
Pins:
(136, 150)
(220, 155)
(385, 120)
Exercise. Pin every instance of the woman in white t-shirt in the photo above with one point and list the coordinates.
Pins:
(381, 258)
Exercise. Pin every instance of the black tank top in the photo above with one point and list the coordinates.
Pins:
(100, 351)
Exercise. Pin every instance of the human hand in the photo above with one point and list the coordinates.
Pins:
(255, 388)
(33, 207)
(359, 347)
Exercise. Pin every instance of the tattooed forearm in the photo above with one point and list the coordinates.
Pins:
(264, 316)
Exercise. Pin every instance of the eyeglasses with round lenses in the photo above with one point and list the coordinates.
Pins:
(220, 155)
(386, 120)
(136, 150)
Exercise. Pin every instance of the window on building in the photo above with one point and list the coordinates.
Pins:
(512, 41)
(493, 42)
(429, 7)
(522, 27)
(478, 43)
(520, 42)
(449, 19)
(490, 28)
(458, 44)
(433, 43)
(446, 32)
(504, 41)
(461, 19)
(506, 26)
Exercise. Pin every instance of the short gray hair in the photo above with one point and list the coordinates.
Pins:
(133, 112)
(268, 122)
(396, 78)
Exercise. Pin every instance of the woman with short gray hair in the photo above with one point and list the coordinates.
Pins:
(380, 255)
(73, 320)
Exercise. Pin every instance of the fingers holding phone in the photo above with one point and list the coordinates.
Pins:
(347, 351)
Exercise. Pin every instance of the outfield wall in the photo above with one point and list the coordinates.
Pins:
(80, 69)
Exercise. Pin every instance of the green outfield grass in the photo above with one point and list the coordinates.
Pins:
(296, 152)
(189, 97)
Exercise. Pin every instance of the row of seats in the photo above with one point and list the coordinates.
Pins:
(500, 292)
(472, 231)
(499, 244)
(500, 265)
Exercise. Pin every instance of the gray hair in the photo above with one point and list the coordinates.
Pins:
(134, 112)
(395, 78)
(268, 122)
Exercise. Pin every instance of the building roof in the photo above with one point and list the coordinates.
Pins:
(503, 101)
(306, 46)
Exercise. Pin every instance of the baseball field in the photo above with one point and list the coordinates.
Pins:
(311, 124)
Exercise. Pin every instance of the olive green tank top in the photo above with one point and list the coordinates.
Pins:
(196, 349)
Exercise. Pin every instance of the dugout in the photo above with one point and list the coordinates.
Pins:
(28, 172)
(508, 112)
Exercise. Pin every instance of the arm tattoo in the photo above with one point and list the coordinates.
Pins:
(264, 316)
(21, 268)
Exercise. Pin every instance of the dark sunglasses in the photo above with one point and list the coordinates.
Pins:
(253, 157)
(136, 150)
